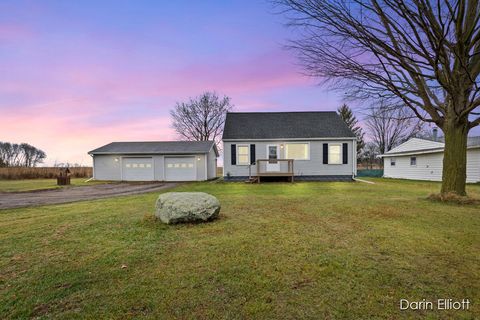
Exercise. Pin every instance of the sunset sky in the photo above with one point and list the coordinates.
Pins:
(75, 75)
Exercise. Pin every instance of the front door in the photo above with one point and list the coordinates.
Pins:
(273, 155)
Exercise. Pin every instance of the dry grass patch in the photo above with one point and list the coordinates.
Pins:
(453, 198)
(19, 173)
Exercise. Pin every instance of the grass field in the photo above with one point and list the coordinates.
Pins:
(39, 184)
(279, 251)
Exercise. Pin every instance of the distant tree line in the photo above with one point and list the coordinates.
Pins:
(20, 155)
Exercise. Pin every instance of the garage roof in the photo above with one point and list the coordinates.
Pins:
(285, 125)
(156, 147)
(422, 145)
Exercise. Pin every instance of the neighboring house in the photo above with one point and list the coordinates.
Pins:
(421, 159)
(156, 161)
(299, 145)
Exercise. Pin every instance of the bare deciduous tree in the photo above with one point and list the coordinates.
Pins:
(420, 53)
(389, 127)
(20, 155)
(369, 155)
(201, 118)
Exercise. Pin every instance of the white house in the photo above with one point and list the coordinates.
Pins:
(297, 145)
(155, 161)
(422, 159)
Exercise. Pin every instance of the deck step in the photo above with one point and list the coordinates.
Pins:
(252, 180)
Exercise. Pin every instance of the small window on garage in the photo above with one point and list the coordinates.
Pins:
(190, 165)
(135, 165)
(413, 161)
(393, 162)
(141, 165)
(177, 165)
(128, 165)
(148, 165)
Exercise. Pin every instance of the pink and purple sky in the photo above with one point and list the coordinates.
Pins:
(79, 74)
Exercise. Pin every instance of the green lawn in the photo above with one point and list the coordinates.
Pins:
(279, 251)
(39, 184)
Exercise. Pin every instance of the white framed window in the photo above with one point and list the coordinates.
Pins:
(413, 161)
(334, 153)
(243, 154)
(297, 151)
(393, 162)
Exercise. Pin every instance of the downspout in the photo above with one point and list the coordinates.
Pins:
(354, 160)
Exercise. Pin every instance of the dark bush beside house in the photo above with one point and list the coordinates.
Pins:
(370, 173)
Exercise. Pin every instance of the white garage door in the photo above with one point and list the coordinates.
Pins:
(138, 169)
(180, 169)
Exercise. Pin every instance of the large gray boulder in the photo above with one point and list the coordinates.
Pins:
(178, 207)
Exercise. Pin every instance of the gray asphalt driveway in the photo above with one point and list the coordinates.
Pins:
(10, 200)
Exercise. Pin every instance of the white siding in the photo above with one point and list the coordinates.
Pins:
(311, 167)
(429, 167)
(212, 164)
(201, 167)
(158, 163)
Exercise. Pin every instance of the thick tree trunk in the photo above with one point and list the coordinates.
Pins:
(455, 157)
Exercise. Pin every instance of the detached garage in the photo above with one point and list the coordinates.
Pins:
(155, 161)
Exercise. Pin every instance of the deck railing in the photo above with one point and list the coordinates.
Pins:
(274, 168)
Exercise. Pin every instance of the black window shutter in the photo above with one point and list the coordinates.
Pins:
(234, 154)
(345, 153)
(252, 154)
(325, 153)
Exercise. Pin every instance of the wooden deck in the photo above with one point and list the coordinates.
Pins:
(273, 168)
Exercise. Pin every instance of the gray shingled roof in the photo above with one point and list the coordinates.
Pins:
(285, 125)
(472, 142)
(155, 147)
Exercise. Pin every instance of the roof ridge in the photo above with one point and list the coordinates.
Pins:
(157, 141)
(426, 139)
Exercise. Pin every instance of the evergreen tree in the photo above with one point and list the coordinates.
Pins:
(347, 115)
